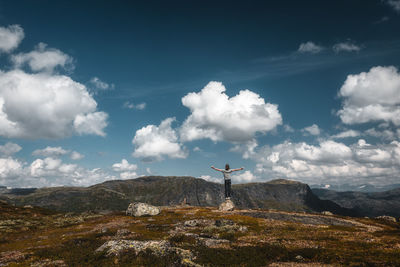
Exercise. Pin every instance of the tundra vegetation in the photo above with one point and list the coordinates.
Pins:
(194, 236)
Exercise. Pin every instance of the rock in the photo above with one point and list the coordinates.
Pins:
(115, 247)
(141, 209)
(299, 258)
(213, 242)
(327, 213)
(387, 218)
(198, 222)
(49, 263)
(227, 205)
(224, 222)
(13, 256)
(122, 232)
(157, 248)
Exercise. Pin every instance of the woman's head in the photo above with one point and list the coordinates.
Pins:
(227, 166)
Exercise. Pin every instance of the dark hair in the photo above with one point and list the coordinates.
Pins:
(227, 166)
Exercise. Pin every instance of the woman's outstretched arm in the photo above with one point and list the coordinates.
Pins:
(234, 170)
(212, 167)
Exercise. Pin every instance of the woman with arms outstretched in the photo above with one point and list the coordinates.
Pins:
(227, 177)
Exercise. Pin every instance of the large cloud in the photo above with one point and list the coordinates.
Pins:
(371, 96)
(237, 119)
(48, 171)
(46, 106)
(154, 142)
(43, 59)
(10, 37)
(9, 169)
(331, 162)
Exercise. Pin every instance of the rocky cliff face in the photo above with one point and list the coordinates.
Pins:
(365, 204)
(169, 191)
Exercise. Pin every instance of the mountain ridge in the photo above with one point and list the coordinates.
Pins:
(115, 195)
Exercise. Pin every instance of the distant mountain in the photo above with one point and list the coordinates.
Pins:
(356, 188)
(165, 191)
(365, 204)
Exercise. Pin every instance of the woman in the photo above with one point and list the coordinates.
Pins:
(227, 177)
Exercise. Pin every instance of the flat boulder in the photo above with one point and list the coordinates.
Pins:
(138, 209)
(227, 205)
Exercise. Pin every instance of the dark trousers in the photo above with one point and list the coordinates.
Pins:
(228, 188)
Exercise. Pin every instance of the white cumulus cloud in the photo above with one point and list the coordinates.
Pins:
(9, 169)
(153, 142)
(237, 119)
(124, 165)
(125, 169)
(310, 47)
(331, 162)
(313, 130)
(54, 106)
(9, 149)
(10, 37)
(243, 177)
(371, 96)
(47, 172)
(43, 59)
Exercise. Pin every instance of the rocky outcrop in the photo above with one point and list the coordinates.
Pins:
(115, 247)
(142, 209)
(227, 205)
(156, 247)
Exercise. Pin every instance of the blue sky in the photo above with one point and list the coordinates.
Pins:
(98, 90)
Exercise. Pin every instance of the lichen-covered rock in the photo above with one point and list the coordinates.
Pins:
(227, 205)
(223, 222)
(122, 232)
(138, 209)
(387, 218)
(115, 247)
(8, 257)
(198, 222)
(157, 247)
(213, 242)
(49, 263)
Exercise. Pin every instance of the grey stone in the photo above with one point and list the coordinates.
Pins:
(213, 242)
(138, 209)
(123, 232)
(227, 205)
(115, 247)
